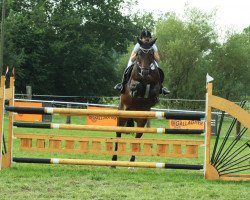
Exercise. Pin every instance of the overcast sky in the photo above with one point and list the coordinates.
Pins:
(231, 14)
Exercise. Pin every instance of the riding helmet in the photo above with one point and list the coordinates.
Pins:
(145, 34)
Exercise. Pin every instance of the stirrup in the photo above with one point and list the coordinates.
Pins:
(118, 87)
(165, 91)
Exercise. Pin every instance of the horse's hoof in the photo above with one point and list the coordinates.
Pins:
(131, 168)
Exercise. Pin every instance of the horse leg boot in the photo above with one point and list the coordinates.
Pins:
(140, 123)
(138, 135)
(120, 122)
(132, 159)
(114, 157)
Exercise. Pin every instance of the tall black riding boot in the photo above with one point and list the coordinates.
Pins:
(163, 90)
(120, 86)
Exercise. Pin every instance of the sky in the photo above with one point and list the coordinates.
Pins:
(231, 14)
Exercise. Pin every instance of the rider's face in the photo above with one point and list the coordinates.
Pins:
(145, 39)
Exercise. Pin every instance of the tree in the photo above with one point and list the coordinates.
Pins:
(231, 66)
(28, 46)
(184, 44)
(68, 46)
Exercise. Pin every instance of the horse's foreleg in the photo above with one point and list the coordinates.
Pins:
(140, 123)
(120, 122)
(138, 135)
(114, 157)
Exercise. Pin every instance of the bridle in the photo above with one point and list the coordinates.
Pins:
(146, 50)
(146, 71)
(152, 65)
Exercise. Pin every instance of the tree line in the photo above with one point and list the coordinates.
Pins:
(74, 47)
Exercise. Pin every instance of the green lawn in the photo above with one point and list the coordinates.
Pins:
(35, 181)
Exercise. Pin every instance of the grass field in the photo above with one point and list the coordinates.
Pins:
(35, 181)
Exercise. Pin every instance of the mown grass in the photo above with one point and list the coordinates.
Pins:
(36, 181)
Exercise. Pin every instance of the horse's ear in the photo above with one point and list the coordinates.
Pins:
(152, 42)
(139, 41)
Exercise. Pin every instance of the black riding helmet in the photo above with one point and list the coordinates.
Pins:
(145, 34)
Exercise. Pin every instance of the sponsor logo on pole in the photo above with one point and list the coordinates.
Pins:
(101, 120)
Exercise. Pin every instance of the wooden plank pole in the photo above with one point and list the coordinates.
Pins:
(113, 113)
(126, 146)
(108, 128)
(2, 95)
(210, 172)
(107, 163)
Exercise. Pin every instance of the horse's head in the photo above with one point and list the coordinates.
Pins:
(145, 58)
(145, 78)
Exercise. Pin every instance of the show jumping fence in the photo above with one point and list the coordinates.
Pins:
(214, 166)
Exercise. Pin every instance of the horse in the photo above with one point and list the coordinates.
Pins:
(142, 89)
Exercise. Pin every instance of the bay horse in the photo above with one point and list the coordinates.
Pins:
(142, 89)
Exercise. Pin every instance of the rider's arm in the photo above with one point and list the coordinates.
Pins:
(156, 53)
(133, 56)
(134, 52)
(156, 56)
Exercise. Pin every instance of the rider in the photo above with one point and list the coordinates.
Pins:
(145, 37)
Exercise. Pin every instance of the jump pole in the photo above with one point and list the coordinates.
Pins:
(113, 113)
(210, 171)
(107, 163)
(108, 128)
